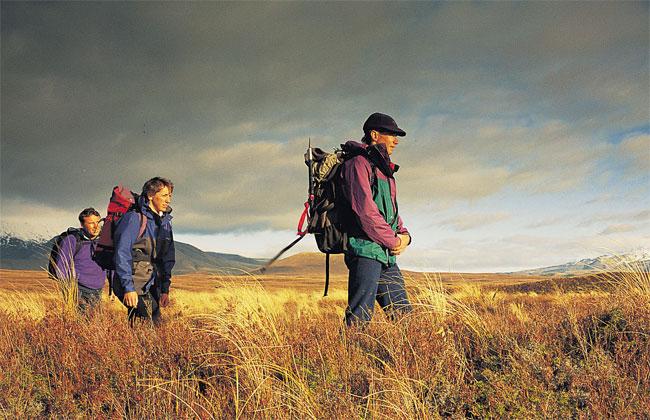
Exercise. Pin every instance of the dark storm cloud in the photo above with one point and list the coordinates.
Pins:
(221, 97)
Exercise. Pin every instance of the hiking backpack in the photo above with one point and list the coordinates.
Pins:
(52, 268)
(122, 200)
(328, 214)
(331, 219)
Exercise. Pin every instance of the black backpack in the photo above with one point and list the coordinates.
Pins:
(328, 214)
(56, 248)
(331, 219)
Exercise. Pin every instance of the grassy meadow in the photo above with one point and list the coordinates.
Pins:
(476, 346)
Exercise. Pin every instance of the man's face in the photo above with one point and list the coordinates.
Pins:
(389, 140)
(92, 226)
(159, 202)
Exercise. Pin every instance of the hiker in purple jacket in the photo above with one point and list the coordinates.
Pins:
(378, 235)
(74, 259)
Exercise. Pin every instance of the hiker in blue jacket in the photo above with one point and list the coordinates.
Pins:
(144, 262)
(74, 259)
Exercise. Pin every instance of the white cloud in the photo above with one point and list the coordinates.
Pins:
(474, 158)
(601, 198)
(550, 221)
(635, 150)
(472, 221)
(642, 216)
(618, 228)
(37, 220)
(517, 252)
(622, 219)
(500, 101)
(253, 243)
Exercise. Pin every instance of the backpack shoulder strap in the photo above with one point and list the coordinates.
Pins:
(143, 225)
(78, 239)
(77, 246)
(327, 273)
(373, 174)
(364, 153)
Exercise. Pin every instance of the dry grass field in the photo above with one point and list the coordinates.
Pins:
(476, 346)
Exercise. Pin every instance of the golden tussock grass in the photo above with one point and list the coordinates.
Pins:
(239, 349)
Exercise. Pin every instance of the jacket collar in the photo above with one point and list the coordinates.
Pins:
(376, 154)
(81, 234)
(86, 237)
(143, 205)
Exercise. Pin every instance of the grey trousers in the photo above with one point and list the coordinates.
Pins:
(87, 297)
(148, 308)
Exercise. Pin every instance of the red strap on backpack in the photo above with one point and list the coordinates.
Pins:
(303, 217)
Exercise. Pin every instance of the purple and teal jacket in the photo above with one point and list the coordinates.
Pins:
(369, 186)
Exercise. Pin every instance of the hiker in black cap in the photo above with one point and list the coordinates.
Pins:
(379, 235)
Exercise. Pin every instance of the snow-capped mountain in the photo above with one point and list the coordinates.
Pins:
(33, 254)
(637, 260)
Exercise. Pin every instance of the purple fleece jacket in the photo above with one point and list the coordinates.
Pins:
(86, 270)
(357, 189)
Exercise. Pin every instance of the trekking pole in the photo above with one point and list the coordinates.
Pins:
(306, 214)
(285, 249)
(309, 159)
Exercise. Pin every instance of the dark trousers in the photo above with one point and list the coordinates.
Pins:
(148, 308)
(87, 297)
(370, 280)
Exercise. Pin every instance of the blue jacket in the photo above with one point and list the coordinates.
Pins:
(147, 261)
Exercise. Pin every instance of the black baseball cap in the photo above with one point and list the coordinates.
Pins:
(382, 123)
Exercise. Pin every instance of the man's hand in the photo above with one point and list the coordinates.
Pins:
(404, 242)
(164, 300)
(131, 299)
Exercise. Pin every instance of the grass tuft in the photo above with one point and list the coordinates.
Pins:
(240, 350)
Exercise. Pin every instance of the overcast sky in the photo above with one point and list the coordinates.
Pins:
(528, 124)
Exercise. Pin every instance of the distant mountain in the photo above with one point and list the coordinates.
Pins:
(635, 261)
(190, 259)
(308, 263)
(311, 264)
(19, 254)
